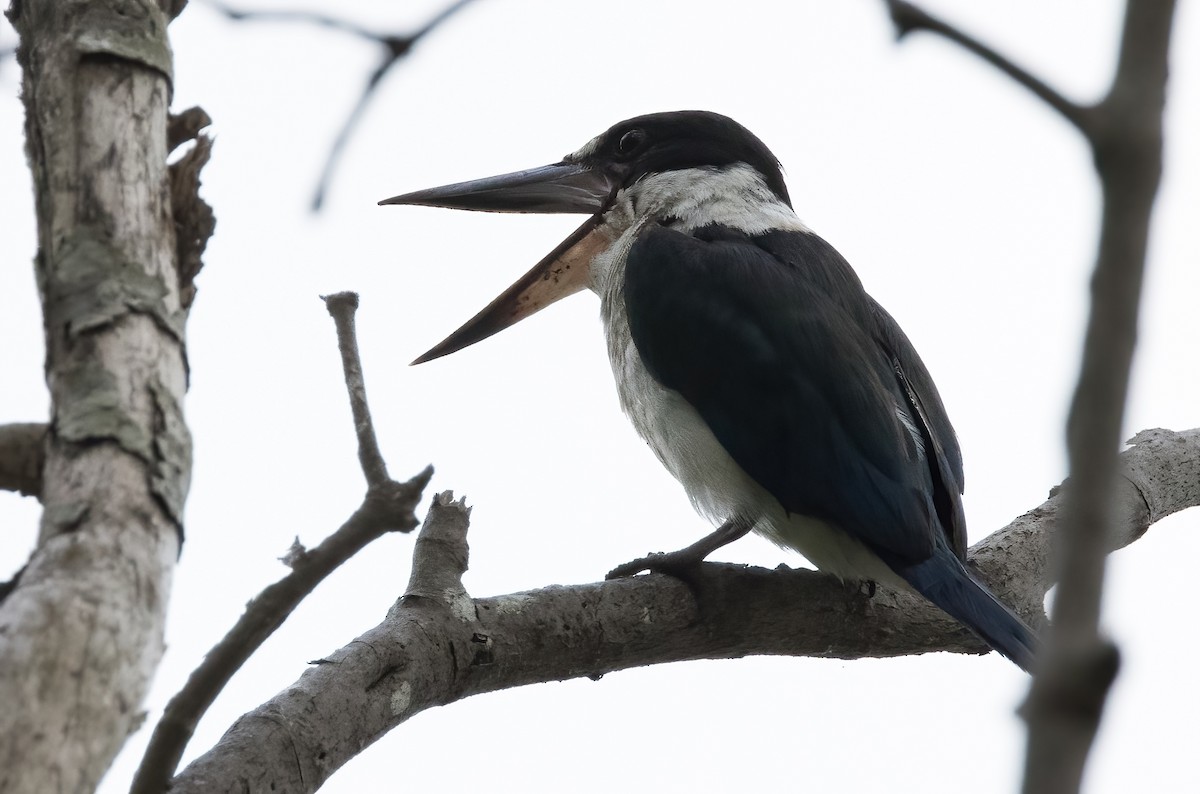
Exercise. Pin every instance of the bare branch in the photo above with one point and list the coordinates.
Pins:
(431, 651)
(388, 507)
(438, 19)
(22, 455)
(347, 128)
(908, 19)
(385, 509)
(1068, 695)
(398, 43)
(305, 17)
(342, 307)
(395, 46)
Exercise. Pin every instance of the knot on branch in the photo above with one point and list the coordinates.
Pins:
(393, 504)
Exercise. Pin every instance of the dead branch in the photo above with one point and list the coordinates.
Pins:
(395, 47)
(438, 645)
(388, 507)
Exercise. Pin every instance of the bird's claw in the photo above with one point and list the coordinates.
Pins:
(676, 563)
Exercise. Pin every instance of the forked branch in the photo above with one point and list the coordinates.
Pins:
(388, 507)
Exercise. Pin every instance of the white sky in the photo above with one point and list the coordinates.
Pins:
(968, 209)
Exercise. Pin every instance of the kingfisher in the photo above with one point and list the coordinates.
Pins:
(749, 357)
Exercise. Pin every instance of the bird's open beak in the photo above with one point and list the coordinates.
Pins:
(560, 188)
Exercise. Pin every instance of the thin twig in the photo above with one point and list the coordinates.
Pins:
(348, 127)
(908, 18)
(396, 48)
(388, 507)
(342, 307)
(306, 17)
(439, 18)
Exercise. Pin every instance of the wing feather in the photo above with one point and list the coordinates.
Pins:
(802, 378)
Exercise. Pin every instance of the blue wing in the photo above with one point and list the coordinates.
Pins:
(808, 384)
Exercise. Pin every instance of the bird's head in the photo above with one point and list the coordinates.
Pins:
(657, 155)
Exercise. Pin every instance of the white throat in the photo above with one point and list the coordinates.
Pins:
(735, 196)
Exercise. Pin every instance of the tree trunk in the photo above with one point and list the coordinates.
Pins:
(81, 631)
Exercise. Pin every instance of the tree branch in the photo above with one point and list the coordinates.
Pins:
(907, 19)
(388, 507)
(1068, 695)
(288, 15)
(396, 46)
(342, 308)
(438, 646)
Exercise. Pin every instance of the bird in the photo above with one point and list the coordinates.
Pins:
(750, 358)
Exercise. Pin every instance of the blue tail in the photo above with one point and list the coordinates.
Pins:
(945, 581)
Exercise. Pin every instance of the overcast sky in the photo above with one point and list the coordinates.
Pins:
(968, 209)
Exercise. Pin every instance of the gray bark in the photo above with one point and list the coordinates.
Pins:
(81, 631)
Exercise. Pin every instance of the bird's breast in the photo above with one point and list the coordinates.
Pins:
(680, 438)
(717, 486)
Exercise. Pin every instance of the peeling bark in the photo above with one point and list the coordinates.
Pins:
(22, 455)
(81, 632)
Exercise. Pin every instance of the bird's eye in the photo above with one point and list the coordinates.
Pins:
(630, 142)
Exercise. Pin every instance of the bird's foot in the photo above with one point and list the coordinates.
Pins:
(675, 563)
(684, 564)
